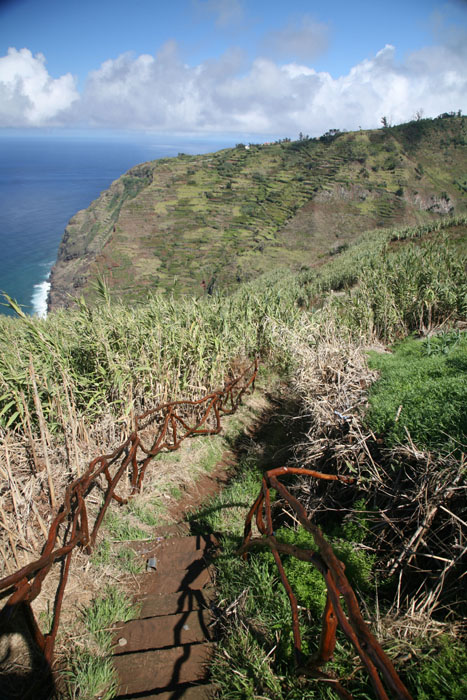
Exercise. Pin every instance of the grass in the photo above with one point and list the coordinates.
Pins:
(123, 559)
(256, 639)
(440, 671)
(121, 530)
(257, 642)
(102, 554)
(254, 657)
(91, 677)
(148, 514)
(422, 390)
(213, 450)
(129, 562)
(226, 513)
(113, 606)
(92, 674)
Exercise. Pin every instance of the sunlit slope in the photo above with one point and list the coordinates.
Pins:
(226, 217)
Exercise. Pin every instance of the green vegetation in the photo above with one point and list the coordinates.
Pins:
(129, 562)
(149, 514)
(422, 390)
(227, 217)
(92, 674)
(389, 283)
(77, 379)
(440, 671)
(112, 606)
(258, 643)
(415, 288)
(121, 530)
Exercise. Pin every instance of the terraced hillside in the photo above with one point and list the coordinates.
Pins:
(194, 224)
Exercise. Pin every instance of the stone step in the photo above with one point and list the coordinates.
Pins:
(162, 669)
(189, 692)
(163, 631)
(194, 577)
(176, 552)
(181, 601)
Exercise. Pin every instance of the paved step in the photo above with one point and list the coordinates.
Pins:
(164, 652)
(180, 564)
(148, 671)
(195, 577)
(179, 552)
(164, 631)
(190, 692)
(181, 601)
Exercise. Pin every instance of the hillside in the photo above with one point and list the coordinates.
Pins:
(72, 384)
(225, 218)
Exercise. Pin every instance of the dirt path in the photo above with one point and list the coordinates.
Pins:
(165, 652)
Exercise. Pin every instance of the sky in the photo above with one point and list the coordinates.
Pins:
(227, 67)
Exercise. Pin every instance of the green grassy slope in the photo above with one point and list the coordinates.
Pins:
(230, 216)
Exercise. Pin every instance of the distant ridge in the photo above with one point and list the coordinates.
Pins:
(198, 224)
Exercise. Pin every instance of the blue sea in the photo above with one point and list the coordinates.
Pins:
(45, 178)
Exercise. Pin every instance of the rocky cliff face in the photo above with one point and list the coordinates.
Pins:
(87, 234)
(76, 253)
(196, 223)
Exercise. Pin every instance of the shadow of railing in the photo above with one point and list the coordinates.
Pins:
(25, 674)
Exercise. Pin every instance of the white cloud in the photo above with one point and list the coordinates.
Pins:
(28, 95)
(226, 12)
(144, 92)
(302, 40)
(162, 93)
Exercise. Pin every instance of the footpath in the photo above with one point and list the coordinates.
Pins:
(165, 653)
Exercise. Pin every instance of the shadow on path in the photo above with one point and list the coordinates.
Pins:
(24, 672)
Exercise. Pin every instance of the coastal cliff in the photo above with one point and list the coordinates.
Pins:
(195, 224)
(86, 235)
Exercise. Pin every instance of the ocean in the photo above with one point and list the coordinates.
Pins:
(44, 180)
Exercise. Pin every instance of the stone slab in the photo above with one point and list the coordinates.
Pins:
(181, 601)
(194, 692)
(149, 671)
(163, 631)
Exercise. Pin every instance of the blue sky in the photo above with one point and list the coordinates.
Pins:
(229, 66)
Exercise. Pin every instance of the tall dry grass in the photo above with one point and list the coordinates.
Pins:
(71, 385)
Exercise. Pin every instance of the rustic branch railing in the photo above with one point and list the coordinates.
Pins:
(325, 561)
(173, 423)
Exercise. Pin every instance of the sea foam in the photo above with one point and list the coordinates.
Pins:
(39, 298)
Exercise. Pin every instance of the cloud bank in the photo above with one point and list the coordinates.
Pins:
(162, 93)
(28, 95)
